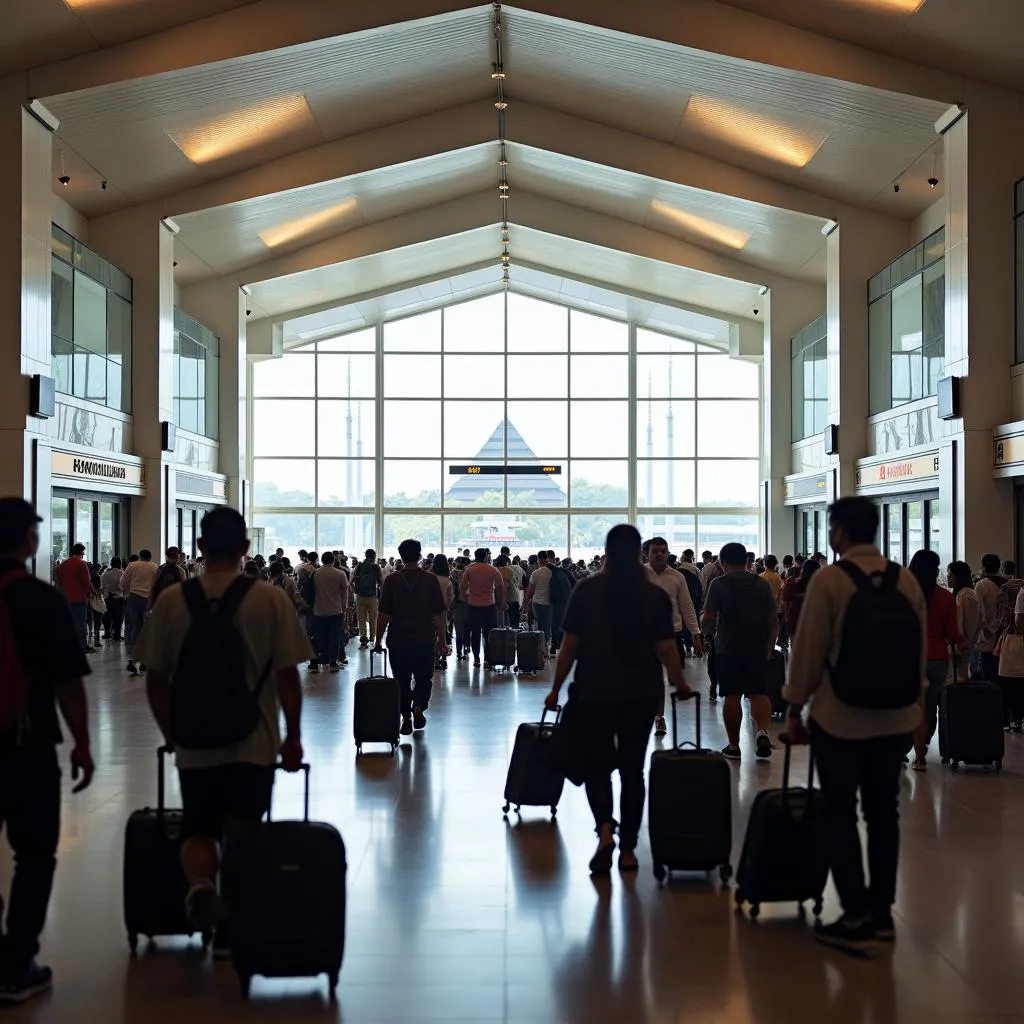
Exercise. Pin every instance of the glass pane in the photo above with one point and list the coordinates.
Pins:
(652, 341)
(728, 429)
(61, 363)
(599, 429)
(352, 534)
(587, 535)
(915, 527)
(535, 326)
(666, 376)
(344, 376)
(679, 530)
(79, 373)
(414, 334)
(538, 376)
(412, 429)
(95, 378)
(106, 551)
(412, 376)
(186, 537)
(483, 490)
(894, 532)
(715, 531)
(345, 482)
(346, 428)
(114, 385)
(666, 429)
(476, 376)
(935, 527)
(736, 483)
(599, 376)
(474, 430)
(477, 326)
(599, 484)
(724, 377)
(283, 427)
(288, 531)
(62, 300)
(588, 333)
(60, 538)
(424, 528)
(412, 484)
(540, 491)
(90, 315)
(84, 513)
(666, 483)
(284, 483)
(798, 425)
(531, 531)
(538, 430)
(291, 376)
(362, 341)
(907, 339)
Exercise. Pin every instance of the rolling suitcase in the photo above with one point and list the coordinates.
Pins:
(288, 917)
(533, 780)
(971, 725)
(501, 648)
(154, 882)
(689, 816)
(775, 681)
(376, 710)
(530, 651)
(783, 858)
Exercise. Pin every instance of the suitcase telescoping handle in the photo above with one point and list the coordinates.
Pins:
(164, 750)
(383, 658)
(558, 713)
(304, 768)
(675, 724)
(784, 740)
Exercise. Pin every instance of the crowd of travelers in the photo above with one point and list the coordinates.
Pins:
(240, 628)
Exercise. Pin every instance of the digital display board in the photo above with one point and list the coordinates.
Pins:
(510, 470)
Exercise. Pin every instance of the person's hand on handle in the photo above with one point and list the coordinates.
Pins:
(796, 730)
(291, 754)
(551, 700)
(698, 644)
(685, 692)
(82, 765)
(377, 649)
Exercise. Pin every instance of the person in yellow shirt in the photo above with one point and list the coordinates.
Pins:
(771, 575)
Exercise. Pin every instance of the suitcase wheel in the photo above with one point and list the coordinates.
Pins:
(945, 760)
(505, 809)
(818, 907)
(554, 811)
(755, 909)
(332, 986)
(133, 943)
(955, 765)
(660, 873)
(207, 938)
(244, 984)
(725, 873)
(999, 765)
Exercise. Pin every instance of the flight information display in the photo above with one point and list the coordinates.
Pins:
(514, 469)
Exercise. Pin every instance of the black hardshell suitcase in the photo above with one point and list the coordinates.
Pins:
(501, 648)
(288, 917)
(530, 650)
(154, 882)
(376, 710)
(775, 681)
(783, 857)
(971, 725)
(689, 814)
(532, 779)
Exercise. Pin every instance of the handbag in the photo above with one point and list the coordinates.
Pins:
(97, 604)
(1011, 655)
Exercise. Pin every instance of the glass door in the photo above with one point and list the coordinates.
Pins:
(85, 520)
(894, 532)
(915, 527)
(107, 532)
(60, 545)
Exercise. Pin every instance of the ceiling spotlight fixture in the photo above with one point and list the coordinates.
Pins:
(503, 162)
(65, 180)
(103, 185)
(933, 181)
(895, 186)
(497, 74)
(503, 186)
(501, 105)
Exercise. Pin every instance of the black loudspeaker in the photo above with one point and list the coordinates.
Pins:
(168, 436)
(41, 397)
(831, 439)
(948, 392)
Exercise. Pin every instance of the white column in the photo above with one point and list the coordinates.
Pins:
(984, 159)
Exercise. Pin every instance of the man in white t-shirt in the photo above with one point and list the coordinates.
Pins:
(539, 596)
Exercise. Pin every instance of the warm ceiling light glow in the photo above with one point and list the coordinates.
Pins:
(755, 132)
(77, 5)
(731, 237)
(243, 129)
(902, 6)
(281, 234)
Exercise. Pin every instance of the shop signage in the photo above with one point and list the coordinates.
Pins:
(1009, 450)
(804, 487)
(86, 467)
(885, 473)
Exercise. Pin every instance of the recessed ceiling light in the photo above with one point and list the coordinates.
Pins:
(756, 132)
(281, 234)
(243, 129)
(721, 233)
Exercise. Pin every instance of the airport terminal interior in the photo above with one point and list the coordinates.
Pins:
(508, 275)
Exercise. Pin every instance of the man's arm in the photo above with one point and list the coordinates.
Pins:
(382, 625)
(158, 693)
(565, 662)
(668, 655)
(441, 625)
(289, 693)
(74, 708)
(125, 583)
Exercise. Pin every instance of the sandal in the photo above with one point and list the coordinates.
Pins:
(628, 861)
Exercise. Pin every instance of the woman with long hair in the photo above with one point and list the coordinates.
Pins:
(440, 568)
(943, 630)
(969, 614)
(791, 597)
(618, 634)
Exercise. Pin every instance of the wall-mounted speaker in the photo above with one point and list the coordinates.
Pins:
(168, 436)
(948, 393)
(831, 439)
(41, 402)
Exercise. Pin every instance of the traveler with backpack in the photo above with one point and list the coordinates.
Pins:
(559, 590)
(110, 588)
(168, 574)
(330, 605)
(280, 579)
(794, 591)
(366, 582)
(223, 652)
(987, 588)
(859, 661)
(741, 613)
(136, 586)
(412, 614)
(307, 590)
(75, 583)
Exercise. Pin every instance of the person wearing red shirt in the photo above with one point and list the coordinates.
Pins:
(943, 630)
(76, 585)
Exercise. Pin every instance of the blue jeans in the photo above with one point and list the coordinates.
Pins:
(543, 613)
(80, 617)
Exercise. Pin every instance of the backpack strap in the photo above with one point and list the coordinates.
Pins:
(195, 599)
(232, 598)
(891, 576)
(13, 576)
(855, 573)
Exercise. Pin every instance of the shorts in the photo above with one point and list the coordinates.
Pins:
(741, 675)
(210, 796)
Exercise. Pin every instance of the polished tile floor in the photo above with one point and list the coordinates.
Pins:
(457, 915)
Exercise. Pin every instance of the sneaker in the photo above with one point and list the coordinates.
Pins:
(476, 663)
(731, 752)
(601, 862)
(33, 981)
(335, 667)
(920, 764)
(89, 649)
(363, 645)
(314, 667)
(202, 907)
(142, 668)
(132, 669)
(343, 662)
(660, 728)
(884, 926)
(406, 729)
(853, 937)
(419, 720)
(764, 745)
(96, 643)
(712, 694)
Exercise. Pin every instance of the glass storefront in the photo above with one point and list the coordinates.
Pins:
(189, 518)
(909, 523)
(811, 530)
(98, 521)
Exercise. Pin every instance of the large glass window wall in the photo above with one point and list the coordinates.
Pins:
(809, 362)
(357, 440)
(1018, 229)
(196, 376)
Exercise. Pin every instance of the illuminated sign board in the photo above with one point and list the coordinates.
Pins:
(510, 470)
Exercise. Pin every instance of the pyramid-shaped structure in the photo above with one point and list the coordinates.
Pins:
(468, 490)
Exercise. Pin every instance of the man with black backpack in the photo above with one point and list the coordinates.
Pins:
(859, 662)
(168, 574)
(560, 590)
(366, 583)
(223, 652)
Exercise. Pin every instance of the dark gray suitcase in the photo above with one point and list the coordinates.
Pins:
(783, 857)
(288, 916)
(971, 725)
(154, 883)
(501, 648)
(533, 779)
(689, 813)
(376, 711)
(530, 650)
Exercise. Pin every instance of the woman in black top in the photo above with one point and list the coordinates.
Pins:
(618, 634)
